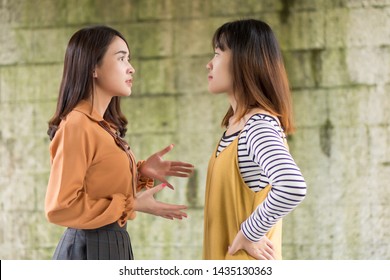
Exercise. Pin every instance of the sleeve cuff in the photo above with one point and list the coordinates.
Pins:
(128, 213)
(249, 235)
(143, 181)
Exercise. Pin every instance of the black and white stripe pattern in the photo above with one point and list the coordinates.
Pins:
(264, 159)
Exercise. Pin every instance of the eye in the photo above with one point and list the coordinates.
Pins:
(124, 58)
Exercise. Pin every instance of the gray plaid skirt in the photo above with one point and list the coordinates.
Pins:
(110, 242)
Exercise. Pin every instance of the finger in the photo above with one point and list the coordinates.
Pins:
(171, 208)
(264, 251)
(167, 184)
(179, 217)
(269, 243)
(160, 187)
(261, 257)
(178, 174)
(167, 217)
(181, 169)
(270, 252)
(180, 163)
(266, 255)
(165, 150)
(175, 214)
(269, 247)
(157, 188)
(257, 254)
(168, 208)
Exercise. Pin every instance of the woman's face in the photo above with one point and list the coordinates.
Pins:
(114, 75)
(220, 77)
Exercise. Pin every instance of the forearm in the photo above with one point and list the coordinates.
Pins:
(89, 214)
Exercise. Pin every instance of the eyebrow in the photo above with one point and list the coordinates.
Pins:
(121, 52)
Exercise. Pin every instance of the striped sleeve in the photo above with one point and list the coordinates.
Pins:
(265, 147)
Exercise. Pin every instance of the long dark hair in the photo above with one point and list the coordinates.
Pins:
(259, 75)
(85, 51)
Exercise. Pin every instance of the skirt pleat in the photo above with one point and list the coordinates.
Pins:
(104, 245)
(120, 241)
(71, 246)
(113, 248)
(127, 252)
(110, 242)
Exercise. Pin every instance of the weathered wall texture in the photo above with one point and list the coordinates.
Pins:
(337, 53)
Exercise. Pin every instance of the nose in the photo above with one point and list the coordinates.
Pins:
(130, 69)
(209, 65)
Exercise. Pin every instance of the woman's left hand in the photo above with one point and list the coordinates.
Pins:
(157, 168)
(146, 203)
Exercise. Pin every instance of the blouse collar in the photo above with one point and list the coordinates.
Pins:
(86, 108)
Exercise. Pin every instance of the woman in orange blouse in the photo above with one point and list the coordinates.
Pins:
(95, 183)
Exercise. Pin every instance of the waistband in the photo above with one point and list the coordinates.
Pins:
(114, 227)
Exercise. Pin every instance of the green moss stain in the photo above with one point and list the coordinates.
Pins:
(326, 133)
(192, 190)
(315, 63)
(286, 10)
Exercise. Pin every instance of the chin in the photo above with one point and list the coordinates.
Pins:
(215, 92)
(211, 90)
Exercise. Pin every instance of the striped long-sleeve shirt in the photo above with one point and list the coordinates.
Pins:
(264, 159)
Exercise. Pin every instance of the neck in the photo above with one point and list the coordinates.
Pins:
(233, 102)
(234, 121)
(100, 103)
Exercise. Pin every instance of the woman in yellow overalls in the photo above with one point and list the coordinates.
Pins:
(252, 180)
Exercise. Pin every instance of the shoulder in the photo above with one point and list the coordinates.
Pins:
(263, 124)
(75, 127)
(77, 120)
(83, 114)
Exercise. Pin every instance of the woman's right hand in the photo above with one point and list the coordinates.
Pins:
(260, 250)
(146, 203)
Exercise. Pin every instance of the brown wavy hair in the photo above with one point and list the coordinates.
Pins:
(259, 76)
(85, 51)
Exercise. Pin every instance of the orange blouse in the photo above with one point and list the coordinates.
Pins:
(91, 183)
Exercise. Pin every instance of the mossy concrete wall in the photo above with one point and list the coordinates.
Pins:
(337, 54)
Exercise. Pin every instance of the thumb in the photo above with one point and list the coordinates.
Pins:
(158, 188)
(232, 250)
(235, 246)
(165, 183)
(165, 150)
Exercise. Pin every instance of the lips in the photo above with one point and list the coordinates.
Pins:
(129, 81)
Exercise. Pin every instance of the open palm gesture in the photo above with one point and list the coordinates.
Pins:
(157, 168)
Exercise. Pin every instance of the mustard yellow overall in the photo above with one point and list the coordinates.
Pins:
(228, 203)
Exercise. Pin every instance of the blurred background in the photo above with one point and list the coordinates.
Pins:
(337, 54)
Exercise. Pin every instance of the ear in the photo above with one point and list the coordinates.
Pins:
(94, 74)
